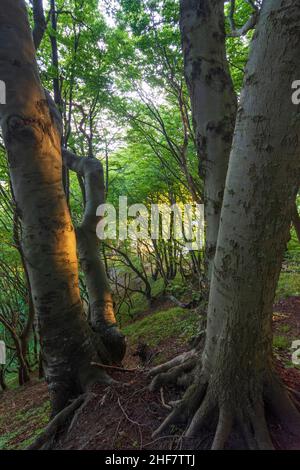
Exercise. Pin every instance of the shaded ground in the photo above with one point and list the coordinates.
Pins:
(24, 413)
(286, 330)
(134, 412)
(133, 415)
(125, 417)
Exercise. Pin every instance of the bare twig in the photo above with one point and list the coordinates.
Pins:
(127, 417)
(250, 24)
(121, 369)
(173, 437)
(165, 405)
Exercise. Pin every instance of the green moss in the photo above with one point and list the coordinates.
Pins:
(5, 438)
(12, 381)
(281, 342)
(288, 285)
(28, 425)
(174, 322)
(291, 365)
(285, 328)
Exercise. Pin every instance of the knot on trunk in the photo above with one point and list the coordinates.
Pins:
(28, 130)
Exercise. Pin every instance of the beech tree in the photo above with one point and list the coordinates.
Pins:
(32, 136)
(234, 381)
(249, 164)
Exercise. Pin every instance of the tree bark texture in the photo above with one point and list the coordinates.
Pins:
(48, 238)
(213, 103)
(235, 382)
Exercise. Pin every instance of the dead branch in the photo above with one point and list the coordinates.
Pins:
(120, 369)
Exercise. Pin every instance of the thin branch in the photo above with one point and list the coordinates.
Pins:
(40, 23)
(231, 15)
(250, 24)
(120, 369)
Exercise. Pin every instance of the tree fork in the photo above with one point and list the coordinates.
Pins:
(263, 178)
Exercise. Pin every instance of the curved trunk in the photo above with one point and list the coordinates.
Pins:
(102, 315)
(213, 103)
(48, 239)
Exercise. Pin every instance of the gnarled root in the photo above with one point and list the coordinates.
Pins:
(62, 393)
(178, 371)
(46, 440)
(236, 419)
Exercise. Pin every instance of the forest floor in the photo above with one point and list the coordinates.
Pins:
(132, 412)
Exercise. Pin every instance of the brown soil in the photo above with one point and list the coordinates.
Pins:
(125, 417)
(134, 412)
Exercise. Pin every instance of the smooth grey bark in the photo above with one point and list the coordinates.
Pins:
(235, 382)
(102, 316)
(213, 102)
(48, 239)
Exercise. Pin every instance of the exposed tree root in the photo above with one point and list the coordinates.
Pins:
(60, 420)
(239, 416)
(46, 440)
(284, 405)
(178, 371)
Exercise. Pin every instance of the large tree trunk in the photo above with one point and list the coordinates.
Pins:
(236, 381)
(213, 103)
(48, 238)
